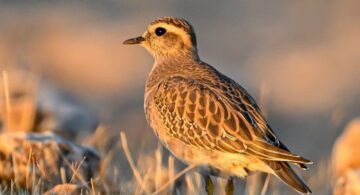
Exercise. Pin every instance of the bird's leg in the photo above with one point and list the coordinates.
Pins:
(229, 188)
(209, 186)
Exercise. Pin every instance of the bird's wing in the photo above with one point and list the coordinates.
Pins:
(205, 118)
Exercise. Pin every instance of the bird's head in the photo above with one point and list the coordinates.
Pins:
(168, 37)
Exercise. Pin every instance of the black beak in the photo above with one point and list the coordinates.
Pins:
(136, 40)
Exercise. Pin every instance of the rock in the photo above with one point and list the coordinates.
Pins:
(346, 160)
(31, 104)
(63, 113)
(346, 151)
(348, 184)
(28, 158)
(67, 189)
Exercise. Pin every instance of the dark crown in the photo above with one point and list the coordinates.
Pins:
(180, 23)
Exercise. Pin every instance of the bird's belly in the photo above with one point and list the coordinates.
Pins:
(214, 162)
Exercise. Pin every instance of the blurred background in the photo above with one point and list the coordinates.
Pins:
(299, 59)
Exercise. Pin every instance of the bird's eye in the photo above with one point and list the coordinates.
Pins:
(160, 31)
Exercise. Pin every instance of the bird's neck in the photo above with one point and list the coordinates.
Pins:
(166, 68)
(177, 57)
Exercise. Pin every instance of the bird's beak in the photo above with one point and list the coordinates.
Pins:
(133, 41)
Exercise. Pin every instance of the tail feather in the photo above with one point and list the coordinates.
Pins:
(271, 152)
(284, 172)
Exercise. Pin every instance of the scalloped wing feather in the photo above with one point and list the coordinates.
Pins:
(209, 118)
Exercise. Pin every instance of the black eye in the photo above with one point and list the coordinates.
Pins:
(160, 31)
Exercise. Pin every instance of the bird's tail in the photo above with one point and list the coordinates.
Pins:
(283, 171)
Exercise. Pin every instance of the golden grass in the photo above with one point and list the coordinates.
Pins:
(160, 180)
(131, 162)
(18, 100)
(7, 95)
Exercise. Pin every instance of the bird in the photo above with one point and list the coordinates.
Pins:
(205, 118)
